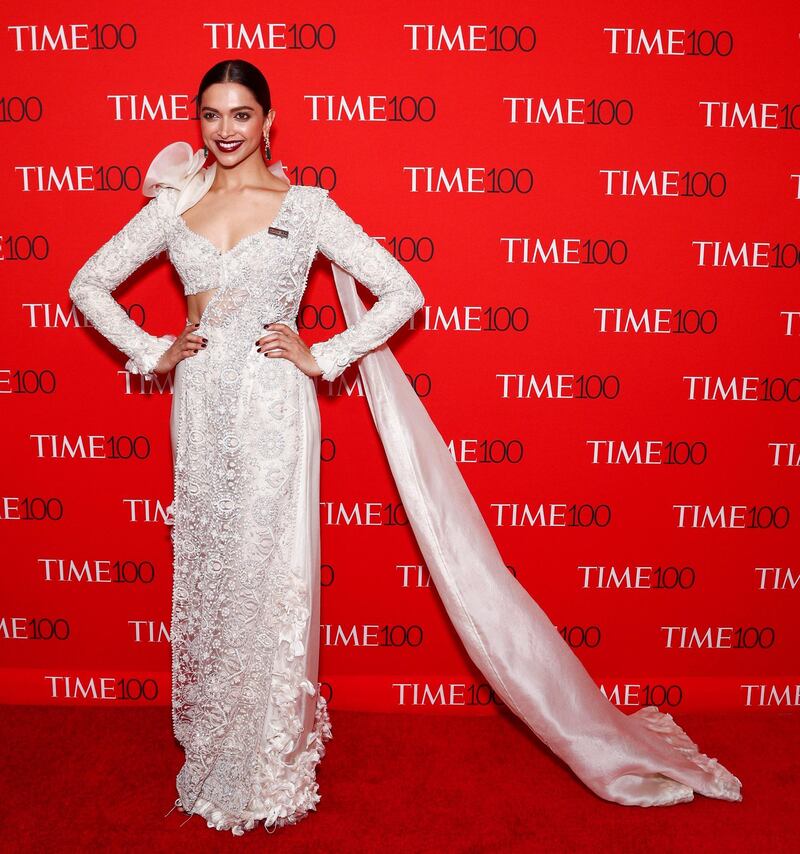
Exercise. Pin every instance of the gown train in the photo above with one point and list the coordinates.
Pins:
(641, 759)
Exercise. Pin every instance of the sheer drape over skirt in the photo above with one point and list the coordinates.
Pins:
(245, 618)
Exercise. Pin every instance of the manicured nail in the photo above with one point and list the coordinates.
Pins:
(197, 324)
(206, 340)
(202, 345)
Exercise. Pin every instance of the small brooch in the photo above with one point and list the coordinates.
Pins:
(280, 232)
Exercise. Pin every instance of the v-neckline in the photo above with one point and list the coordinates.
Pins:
(247, 237)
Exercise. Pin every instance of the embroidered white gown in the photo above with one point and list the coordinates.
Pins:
(246, 440)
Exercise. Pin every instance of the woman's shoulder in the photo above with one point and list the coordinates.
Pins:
(164, 202)
(312, 191)
(311, 198)
(163, 194)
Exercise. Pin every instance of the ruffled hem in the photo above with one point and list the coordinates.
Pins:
(282, 792)
(284, 805)
(722, 783)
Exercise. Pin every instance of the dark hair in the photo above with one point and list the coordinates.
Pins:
(237, 71)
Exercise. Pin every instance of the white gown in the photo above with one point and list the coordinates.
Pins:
(246, 441)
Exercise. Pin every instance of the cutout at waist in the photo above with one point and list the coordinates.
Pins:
(196, 305)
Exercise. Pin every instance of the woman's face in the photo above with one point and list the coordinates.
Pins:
(229, 113)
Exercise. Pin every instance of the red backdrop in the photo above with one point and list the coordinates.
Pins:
(599, 202)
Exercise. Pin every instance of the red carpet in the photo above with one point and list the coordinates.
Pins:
(102, 780)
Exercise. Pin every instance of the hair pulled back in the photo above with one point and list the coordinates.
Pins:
(237, 71)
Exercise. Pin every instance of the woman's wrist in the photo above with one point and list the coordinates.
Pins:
(330, 361)
(146, 363)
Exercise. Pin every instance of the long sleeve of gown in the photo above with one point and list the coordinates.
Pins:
(143, 237)
(346, 243)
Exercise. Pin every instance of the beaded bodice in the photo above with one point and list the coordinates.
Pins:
(260, 280)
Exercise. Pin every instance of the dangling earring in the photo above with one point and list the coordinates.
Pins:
(266, 147)
(205, 153)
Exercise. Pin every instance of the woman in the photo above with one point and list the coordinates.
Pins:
(245, 429)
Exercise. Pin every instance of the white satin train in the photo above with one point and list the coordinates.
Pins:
(641, 759)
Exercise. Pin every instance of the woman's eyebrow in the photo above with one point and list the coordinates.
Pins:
(232, 109)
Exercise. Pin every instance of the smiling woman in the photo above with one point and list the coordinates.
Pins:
(245, 424)
(246, 445)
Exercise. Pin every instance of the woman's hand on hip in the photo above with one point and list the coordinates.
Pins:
(186, 344)
(281, 341)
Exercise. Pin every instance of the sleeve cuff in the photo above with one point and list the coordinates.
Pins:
(330, 360)
(144, 363)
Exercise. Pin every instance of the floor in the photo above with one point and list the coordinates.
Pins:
(88, 779)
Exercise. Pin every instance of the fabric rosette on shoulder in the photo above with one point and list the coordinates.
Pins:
(179, 167)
